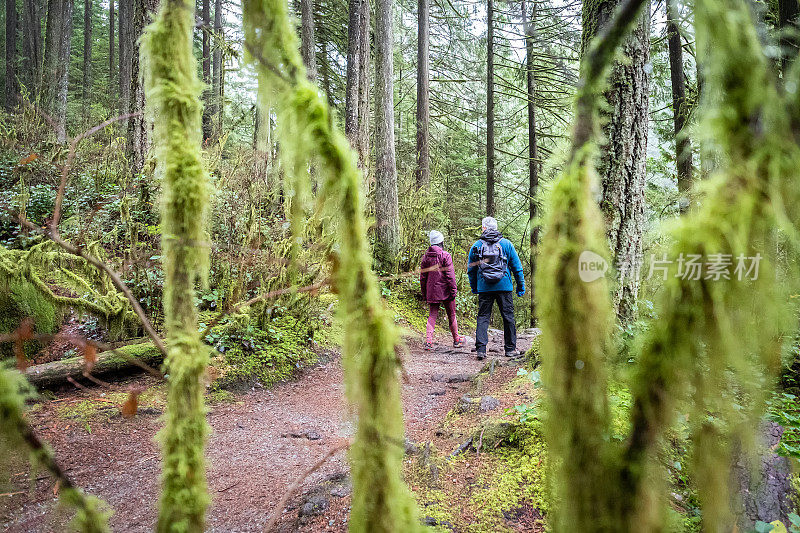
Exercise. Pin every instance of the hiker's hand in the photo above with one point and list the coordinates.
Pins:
(521, 293)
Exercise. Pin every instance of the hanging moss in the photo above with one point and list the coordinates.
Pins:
(716, 345)
(91, 515)
(173, 104)
(381, 502)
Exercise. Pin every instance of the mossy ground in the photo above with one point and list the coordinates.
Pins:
(500, 489)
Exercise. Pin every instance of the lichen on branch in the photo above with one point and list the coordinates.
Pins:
(173, 105)
(381, 501)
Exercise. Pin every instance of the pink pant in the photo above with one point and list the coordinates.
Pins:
(433, 314)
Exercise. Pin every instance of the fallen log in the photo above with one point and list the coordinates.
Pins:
(109, 361)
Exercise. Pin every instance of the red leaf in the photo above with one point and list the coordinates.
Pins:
(30, 159)
(89, 356)
(131, 405)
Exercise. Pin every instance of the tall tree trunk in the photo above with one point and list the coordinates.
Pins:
(125, 54)
(12, 84)
(262, 137)
(680, 110)
(216, 108)
(308, 47)
(87, 57)
(352, 85)
(111, 49)
(533, 149)
(62, 71)
(31, 45)
(788, 14)
(138, 126)
(423, 171)
(621, 165)
(490, 108)
(326, 78)
(387, 219)
(174, 97)
(52, 45)
(206, 59)
(364, 62)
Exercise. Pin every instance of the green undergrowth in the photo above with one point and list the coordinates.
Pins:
(248, 352)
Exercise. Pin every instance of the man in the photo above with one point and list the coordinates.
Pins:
(491, 261)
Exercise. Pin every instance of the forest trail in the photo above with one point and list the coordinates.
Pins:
(259, 444)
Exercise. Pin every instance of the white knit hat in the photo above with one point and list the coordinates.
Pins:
(436, 237)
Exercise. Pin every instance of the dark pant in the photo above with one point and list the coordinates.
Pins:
(505, 302)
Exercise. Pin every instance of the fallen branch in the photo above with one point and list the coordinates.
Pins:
(276, 511)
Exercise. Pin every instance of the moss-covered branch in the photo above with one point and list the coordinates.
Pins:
(91, 517)
(577, 316)
(381, 502)
(173, 105)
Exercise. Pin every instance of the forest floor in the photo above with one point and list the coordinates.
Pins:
(261, 441)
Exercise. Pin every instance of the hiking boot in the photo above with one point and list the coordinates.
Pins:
(480, 356)
(459, 343)
(428, 346)
(513, 353)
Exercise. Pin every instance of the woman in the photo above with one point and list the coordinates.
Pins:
(438, 281)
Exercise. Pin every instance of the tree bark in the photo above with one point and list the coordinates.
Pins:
(52, 45)
(87, 57)
(12, 84)
(206, 61)
(680, 109)
(308, 47)
(216, 75)
(387, 219)
(31, 46)
(352, 84)
(138, 126)
(423, 171)
(364, 61)
(62, 72)
(621, 165)
(533, 150)
(490, 208)
(125, 54)
(111, 49)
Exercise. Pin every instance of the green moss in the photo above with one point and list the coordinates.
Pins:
(247, 353)
(173, 104)
(46, 284)
(107, 405)
(307, 134)
(91, 514)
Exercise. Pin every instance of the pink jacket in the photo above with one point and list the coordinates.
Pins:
(438, 278)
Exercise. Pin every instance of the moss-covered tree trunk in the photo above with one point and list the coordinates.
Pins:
(173, 100)
(623, 156)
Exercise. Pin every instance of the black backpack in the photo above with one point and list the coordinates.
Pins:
(493, 261)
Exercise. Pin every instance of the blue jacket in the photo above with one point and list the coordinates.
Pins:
(476, 281)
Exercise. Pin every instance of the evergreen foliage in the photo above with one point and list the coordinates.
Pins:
(381, 502)
(173, 99)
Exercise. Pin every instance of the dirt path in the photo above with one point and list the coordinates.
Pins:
(258, 446)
